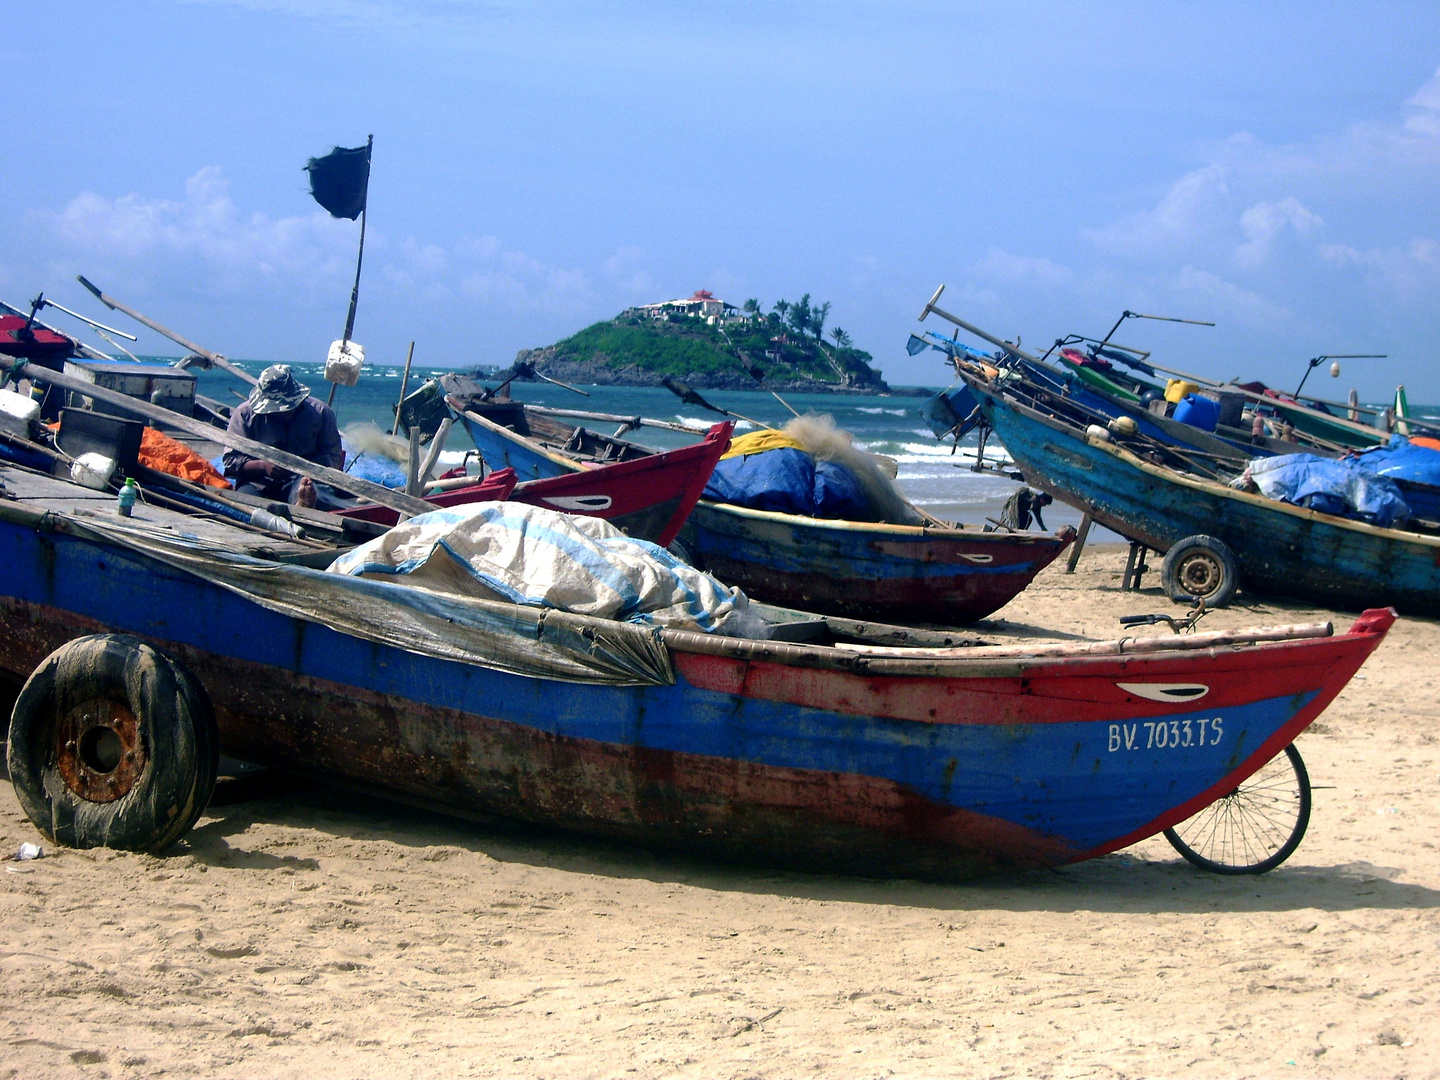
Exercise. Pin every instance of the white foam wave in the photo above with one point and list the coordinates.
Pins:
(705, 422)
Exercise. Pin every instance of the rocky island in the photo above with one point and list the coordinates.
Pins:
(711, 344)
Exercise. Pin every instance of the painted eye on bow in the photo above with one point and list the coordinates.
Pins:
(1166, 691)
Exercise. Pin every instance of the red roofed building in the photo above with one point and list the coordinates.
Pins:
(703, 305)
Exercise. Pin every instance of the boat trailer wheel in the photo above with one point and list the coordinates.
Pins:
(112, 743)
(1254, 828)
(1200, 566)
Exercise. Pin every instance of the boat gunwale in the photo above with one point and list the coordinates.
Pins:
(896, 661)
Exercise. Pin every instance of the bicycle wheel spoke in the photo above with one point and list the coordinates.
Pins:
(1256, 826)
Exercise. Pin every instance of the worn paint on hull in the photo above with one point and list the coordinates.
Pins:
(858, 570)
(936, 776)
(1281, 548)
(889, 574)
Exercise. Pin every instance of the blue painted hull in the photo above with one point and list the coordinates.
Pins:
(1281, 549)
(1025, 763)
(856, 570)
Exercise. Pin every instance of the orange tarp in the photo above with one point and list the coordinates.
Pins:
(163, 454)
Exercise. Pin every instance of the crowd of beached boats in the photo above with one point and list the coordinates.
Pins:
(753, 646)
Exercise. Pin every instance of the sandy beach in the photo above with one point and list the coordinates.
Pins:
(306, 932)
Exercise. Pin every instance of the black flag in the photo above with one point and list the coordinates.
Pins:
(340, 179)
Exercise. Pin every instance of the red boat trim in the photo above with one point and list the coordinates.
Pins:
(1372, 624)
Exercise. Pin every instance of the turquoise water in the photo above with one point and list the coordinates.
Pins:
(933, 478)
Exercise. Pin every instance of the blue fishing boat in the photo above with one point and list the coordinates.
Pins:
(859, 569)
(147, 642)
(1149, 496)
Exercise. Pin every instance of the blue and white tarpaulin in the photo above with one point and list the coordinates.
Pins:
(541, 558)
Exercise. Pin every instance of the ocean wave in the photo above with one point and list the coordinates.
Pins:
(707, 421)
(885, 412)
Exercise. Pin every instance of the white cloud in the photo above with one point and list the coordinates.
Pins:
(217, 246)
(1184, 211)
(1264, 220)
(1428, 96)
(1220, 299)
(1003, 266)
(624, 268)
(206, 226)
(1411, 273)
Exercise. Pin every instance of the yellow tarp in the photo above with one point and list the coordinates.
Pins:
(757, 442)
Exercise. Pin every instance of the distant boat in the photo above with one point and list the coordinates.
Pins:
(858, 569)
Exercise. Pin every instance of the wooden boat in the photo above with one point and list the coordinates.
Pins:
(862, 570)
(847, 754)
(1155, 499)
(647, 497)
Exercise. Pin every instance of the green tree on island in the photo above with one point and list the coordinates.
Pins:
(800, 315)
(638, 349)
(817, 319)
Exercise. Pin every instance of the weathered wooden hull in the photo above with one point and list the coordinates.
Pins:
(937, 767)
(1282, 549)
(866, 571)
(859, 570)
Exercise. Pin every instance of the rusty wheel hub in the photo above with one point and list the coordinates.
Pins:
(1200, 574)
(98, 750)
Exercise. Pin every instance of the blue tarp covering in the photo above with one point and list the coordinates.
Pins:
(1408, 465)
(1342, 488)
(1403, 460)
(792, 482)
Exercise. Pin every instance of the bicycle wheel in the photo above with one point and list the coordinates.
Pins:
(1256, 827)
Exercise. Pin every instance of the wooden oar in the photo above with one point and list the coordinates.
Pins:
(690, 397)
(199, 350)
(395, 500)
(616, 418)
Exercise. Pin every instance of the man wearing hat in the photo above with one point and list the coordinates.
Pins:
(281, 413)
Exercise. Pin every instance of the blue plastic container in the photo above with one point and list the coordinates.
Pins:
(1197, 411)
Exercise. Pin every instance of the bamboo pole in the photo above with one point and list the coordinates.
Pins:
(404, 381)
(199, 350)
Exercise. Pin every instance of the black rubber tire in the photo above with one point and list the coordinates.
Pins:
(1241, 833)
(61, 756)
(1200, 566)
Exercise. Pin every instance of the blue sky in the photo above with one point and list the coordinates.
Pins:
(538, 166)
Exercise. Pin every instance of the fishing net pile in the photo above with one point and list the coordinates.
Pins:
(813, 468)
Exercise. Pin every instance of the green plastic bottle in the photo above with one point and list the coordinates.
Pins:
(125, 502)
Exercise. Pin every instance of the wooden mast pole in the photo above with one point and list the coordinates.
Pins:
(359, 261)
